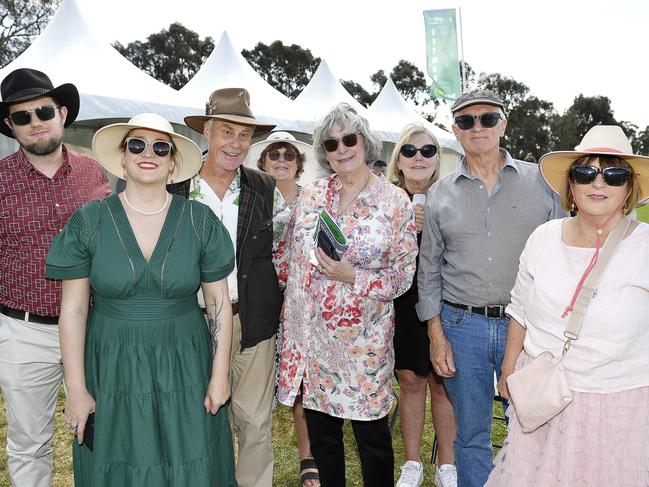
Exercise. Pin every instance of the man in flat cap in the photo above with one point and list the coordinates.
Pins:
(41, 185)
(243, 199)
(477, 222)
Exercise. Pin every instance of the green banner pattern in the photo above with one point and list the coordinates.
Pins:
(442, 53)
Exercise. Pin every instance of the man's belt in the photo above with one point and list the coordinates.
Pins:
(27, 316)
(492, 311)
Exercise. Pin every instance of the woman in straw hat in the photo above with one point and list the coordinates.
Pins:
(144, 362)
(602, 437)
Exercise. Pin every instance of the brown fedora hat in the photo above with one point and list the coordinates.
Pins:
(231, 104)
(26, 84)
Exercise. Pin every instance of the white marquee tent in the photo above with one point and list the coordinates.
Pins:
(112, 89)
(226, 68)
(110, 86)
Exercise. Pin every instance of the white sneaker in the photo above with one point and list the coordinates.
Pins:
(446, 476)
(412, 474)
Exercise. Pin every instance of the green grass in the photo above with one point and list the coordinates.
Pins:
(284, 443)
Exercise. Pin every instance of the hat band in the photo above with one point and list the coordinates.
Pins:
(603, 149)
(238, 114)
(27, 92)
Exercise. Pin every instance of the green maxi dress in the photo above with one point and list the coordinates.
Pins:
(148, 353)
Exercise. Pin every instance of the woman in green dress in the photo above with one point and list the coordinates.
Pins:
(136, 348)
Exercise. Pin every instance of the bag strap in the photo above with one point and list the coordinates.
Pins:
(588, 291)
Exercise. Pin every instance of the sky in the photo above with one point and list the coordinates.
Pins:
(559, 49)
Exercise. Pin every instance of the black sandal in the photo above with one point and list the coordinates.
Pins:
(308, 464)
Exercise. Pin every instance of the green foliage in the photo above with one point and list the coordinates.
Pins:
(642, 141)
(20, 21)
(359, 93)
(528, 117)
(585, 112)
(172, 56)
(287, 68)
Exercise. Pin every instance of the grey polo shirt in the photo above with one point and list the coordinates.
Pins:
(471, 241)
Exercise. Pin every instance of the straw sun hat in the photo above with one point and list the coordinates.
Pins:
(605, 140)
(107, 149)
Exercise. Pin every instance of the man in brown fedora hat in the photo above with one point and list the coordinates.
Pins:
(243, 199)
(41, 185)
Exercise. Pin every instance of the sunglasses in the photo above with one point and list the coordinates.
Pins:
(24, 117)
(136, 145)
(487, 120)
(288, 155)
(409, 150)
(613, 176)
(349, 140)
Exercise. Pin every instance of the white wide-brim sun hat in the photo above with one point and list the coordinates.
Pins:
(106, 146)
(600, 140)
(312, 170)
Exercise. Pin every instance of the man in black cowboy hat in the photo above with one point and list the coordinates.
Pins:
(41, 185)
(243, 199)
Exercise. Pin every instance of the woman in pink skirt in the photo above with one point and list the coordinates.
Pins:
(602, 437)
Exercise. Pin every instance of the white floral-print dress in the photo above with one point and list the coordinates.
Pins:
(337, 338)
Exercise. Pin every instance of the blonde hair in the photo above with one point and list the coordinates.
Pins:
(394, 174)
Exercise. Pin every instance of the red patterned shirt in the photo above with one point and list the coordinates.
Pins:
(33, 208)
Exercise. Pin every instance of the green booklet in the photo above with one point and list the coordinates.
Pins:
(329, 236)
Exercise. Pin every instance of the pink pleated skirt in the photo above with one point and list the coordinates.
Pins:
(598, 440)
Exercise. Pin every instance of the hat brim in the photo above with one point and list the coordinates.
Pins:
(554, 168)
(254, 153)
(106, 146)
(67, 95)
(196, 122)
(479, 101)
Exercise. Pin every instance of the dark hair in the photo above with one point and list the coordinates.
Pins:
(604, 161)
(282, 145)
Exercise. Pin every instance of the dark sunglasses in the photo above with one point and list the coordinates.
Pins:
(349, 140)
(613, 176)
(136, 145)
(24, 117)
(409, 150)
(288, 155)
(487, 120)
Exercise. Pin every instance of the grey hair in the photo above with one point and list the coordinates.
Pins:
(350, 121)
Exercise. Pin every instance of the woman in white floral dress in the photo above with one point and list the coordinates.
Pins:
(337, 348)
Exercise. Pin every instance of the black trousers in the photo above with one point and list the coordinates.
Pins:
(374, 443)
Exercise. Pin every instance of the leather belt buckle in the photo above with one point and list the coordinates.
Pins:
(497, 311)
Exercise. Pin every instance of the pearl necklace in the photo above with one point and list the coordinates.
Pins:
(147, 212)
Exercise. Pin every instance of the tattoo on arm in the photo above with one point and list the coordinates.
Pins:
(214, 320)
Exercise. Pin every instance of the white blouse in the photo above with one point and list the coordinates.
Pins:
(612, 351)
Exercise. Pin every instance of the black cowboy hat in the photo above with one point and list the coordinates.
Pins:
(26, 84)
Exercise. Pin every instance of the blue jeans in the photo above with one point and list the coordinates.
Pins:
(478, 345)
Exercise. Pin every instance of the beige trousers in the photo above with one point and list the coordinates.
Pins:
(252, 381)
(30, 377)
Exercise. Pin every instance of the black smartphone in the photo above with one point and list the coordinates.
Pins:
(89, 432)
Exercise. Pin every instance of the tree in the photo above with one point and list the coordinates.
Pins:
(20, 22)
(358, 92)
(643, 141)
(172, 56)
(585, 112)
(286, 68)
(408, 79)
(528, 117)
